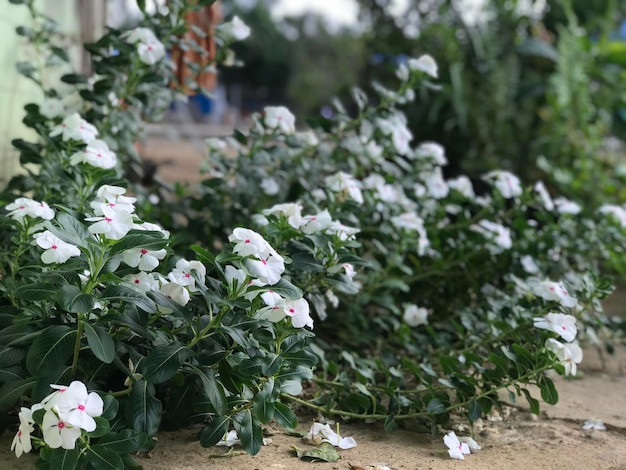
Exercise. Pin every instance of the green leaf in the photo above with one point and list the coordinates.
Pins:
(213, 432)
(474, 411)
(271, 364)
(249, 431)
(100, 342)
(11, 392)
(143, 410)
(534, 404)
(549, 394)
(436, 406)
(73, 300)
(51, 349)
(11, 356)
(64, 459)
(263, 404)
(102, 458)
(70, 230)
(536, 47)
(102, 427)
(163, 363)
(14, 333)
(110, 408)
(390, 424)
(36, 292)
(25, 68)
(124, 442)
(142, 5)
(126, 294)
(284, 416)
(287, 289)
(325, 452)
(213, 389)
(151, 241)
(61, 53)
(73, 78)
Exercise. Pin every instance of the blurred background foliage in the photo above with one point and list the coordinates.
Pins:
(533, 86)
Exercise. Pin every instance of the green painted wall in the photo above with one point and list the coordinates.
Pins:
(16, 90)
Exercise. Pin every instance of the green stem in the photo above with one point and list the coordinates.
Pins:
(79, 334)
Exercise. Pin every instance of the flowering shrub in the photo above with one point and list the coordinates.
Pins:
(427, 298)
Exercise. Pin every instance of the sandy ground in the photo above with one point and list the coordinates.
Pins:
(514, 439)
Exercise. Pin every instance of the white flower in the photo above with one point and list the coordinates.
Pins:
(563, 325)
(76, 128)
(57, 251)
(463, 185)
(569, 354)
(235, 30)
(298, 311)
(543, 193)
(23, 206)
(230, 439)
(249, 243)
(550, 290)
(151, 52)
(96, 154)
(529, 265)
(235, 277)
(432, 150)
(51, 108)
(499, 234)
(424, 64)
(76, 407)
(290, 210)
(183, 274)
(21, 442)
(315, 223)
(617, 212)
(215, 144)
(342, 182)
(145, 260)
(114, 224)
(323, 433)
(435, 184)
(415, 316)
(141, 282)
(308, 138)
(149, 226)
(140, 35)
(456, 449)
(267, 269)
(401, 137)
(342, 231)
(269, 186)
(507, 183)
(114, 194)
(57, 433)
(402, 72)
(565, 206)
(590, 424)
(279, 117)
(471, 443)
(175, 292)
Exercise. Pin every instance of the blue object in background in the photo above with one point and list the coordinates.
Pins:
(202, 104)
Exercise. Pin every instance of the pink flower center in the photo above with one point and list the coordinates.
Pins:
(19, 433)
(61, 425)
(108, 219)
(81, 407)
(264, 261)
(187, 275)
(54, 247)
(247, 241)
(291, 310)
(144, 251)
(137, 281)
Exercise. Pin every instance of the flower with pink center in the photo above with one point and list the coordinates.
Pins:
(569, 354)
(185, 274)
(21, 442)
(506, 182)
(298, 311)
(279, 118)
(175, 292)
(56, 250)
(249, 243)
(114, 224)
(142, 258)
(555, 291)
(151, 52)
(456, 449)
(97, 154)
(57, 433)
(75, 127)
(290, 210)
(141, 282)
(559, 323)
(315, 223)
(267, 270)
(401, 137)
(24, 206)
(75, 407)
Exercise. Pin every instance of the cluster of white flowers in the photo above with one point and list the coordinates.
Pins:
(74, 127)
(499, 235)
(97, 154)
(234, 30)
(149, 48)
(279, 118)
(69, 411)
(564, 325)
(415, 316)
(25, 207)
